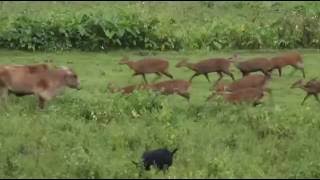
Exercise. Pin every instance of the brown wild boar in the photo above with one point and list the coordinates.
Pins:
(32, 68)
(21, 70)
(44, 84)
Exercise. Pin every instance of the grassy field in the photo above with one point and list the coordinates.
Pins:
(92, 133)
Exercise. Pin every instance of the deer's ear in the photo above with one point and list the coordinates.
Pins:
(125, 58)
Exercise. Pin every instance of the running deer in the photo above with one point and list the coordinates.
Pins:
(168, 87)
(204, 67)
(148, 66)
(312, 87)
(252, 65)
(252, 80)
(293, 59)
(246, 95)
(124, 90)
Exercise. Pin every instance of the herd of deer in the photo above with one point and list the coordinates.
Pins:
(46, 81)
(250, 88)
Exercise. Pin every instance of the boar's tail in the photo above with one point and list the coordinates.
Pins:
(174, 151)
(135, 163)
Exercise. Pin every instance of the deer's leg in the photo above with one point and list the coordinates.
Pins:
(195, 74)
(266, 73)
(207, 77)
(256, 103)
(279, 70)
(244, 73)
(229, 74)
(185, 95)
(219, 79)
(167, 74)
(303, 73)
(317, 97)
(211, 96)
(135, 74)
(305, 98)
(144, 78)
(301, 69)
(297, 67)
(159, 75)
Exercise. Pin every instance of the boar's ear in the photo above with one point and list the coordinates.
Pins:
(67, 75)
(67, 70)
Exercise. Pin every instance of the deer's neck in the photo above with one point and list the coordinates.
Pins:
(189, 65)
(302, 86)
(131, 64)
(237, 64)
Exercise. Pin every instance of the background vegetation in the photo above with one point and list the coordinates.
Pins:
(159, 25)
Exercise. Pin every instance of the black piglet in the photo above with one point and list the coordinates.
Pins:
(160, 158)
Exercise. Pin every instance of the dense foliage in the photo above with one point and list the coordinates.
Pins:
(139, 26)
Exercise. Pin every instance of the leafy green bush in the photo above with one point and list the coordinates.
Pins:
(86, 31)
(127, 27)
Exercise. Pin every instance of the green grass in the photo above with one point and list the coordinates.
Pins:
(91, 133)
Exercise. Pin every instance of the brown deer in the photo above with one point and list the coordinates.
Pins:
(252, 80)
(204, 67)
(124, 90)
(312, 87)
(252, 65)
(245, 95)
(168, 87)
(293, 59)
(147, 66)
